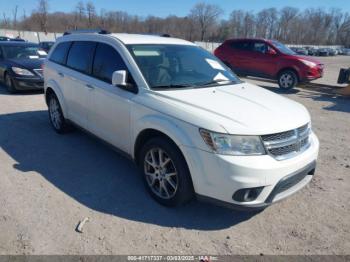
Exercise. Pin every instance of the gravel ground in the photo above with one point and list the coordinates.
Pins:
(48, 183)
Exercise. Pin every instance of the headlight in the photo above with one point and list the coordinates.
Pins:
(308, 63)
(225, 144)
(21, 71)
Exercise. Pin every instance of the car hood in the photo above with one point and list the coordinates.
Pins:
(308, 58)
(27, 63)
(236, 109)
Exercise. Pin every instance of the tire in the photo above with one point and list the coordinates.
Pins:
(58, 122)
(169, 183)
(287, 80)
(9, 84)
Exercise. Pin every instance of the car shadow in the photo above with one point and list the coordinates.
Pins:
(326, 93)
(98, 177)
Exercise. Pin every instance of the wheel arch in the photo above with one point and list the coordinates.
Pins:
(52, 88)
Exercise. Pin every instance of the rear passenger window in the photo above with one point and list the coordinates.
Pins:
(59, 55)
(246, 46)
(107, 60)
(80, 56)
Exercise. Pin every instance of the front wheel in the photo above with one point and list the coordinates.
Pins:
(287, 80)
(165, 172)
(9, 84)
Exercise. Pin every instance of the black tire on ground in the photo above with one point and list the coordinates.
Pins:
(58, 122)
(287, 79)
(177, 165)
(9, 84)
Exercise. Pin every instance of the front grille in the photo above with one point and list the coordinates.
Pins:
(287, 144)
(39, 72)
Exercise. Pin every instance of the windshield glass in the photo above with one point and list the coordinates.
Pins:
(283, 49)
(22, 51)
(176, 66)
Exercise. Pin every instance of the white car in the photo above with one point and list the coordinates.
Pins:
(192, 126)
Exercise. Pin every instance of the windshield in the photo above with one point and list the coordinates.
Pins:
(283, 49)
(177, 66)
(22, 51)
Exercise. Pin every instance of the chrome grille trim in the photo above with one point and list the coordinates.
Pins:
(287, 144)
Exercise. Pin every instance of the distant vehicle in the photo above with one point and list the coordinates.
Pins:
(5, 38)
(311, 50)
(20, 66)
(346, 51)
(269, 59)
(332, 52)
(17, 39)
(323, 52)
(300, 50)
(46, 45)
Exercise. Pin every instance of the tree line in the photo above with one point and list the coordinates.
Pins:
(204, 22)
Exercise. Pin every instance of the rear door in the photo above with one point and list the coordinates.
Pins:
(77, 81)
(111, 105)
(239, 53)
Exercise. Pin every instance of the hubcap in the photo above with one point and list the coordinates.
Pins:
(286, 80)
(55, 113)
(161, 174)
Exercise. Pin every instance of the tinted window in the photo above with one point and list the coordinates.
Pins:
(80, 56)
(59, 55)
(107, 60)
(241, 45)
(260, 47)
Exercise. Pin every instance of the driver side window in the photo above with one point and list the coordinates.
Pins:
(107, 60)
(260, 47)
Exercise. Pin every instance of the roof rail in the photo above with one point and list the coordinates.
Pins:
(87, 31)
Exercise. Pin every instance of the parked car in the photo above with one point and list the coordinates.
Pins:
(190, 124)
(331, 52)
(4, 38)
(311, 50)
(323, 52)
(300, 50)
(46, 45)
(20, 66)
(346, 51)
(269, 59)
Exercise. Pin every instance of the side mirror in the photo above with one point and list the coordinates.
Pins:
(120, 79)
(271, 51)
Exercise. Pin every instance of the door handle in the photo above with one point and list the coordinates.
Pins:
(61, 74)
(89, 86)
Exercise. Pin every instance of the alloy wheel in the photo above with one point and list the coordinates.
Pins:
(55, 113)
(286, 80)
(161, 174)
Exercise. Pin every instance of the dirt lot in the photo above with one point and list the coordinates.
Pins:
(48, 183)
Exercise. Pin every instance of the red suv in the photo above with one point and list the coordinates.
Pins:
(268, 59)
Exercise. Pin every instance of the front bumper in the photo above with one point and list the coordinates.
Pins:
(313, 73)
(24, 83)
(216, 178)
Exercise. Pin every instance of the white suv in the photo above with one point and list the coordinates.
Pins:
(188, 122)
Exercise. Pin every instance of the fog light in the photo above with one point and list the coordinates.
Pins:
(247, 194)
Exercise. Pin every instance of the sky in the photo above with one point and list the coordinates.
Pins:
(164, 8)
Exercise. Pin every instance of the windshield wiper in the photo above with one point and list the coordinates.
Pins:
(171, 86)
(216, 82)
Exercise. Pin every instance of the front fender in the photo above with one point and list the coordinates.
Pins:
(55, 87)
(173, 128)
